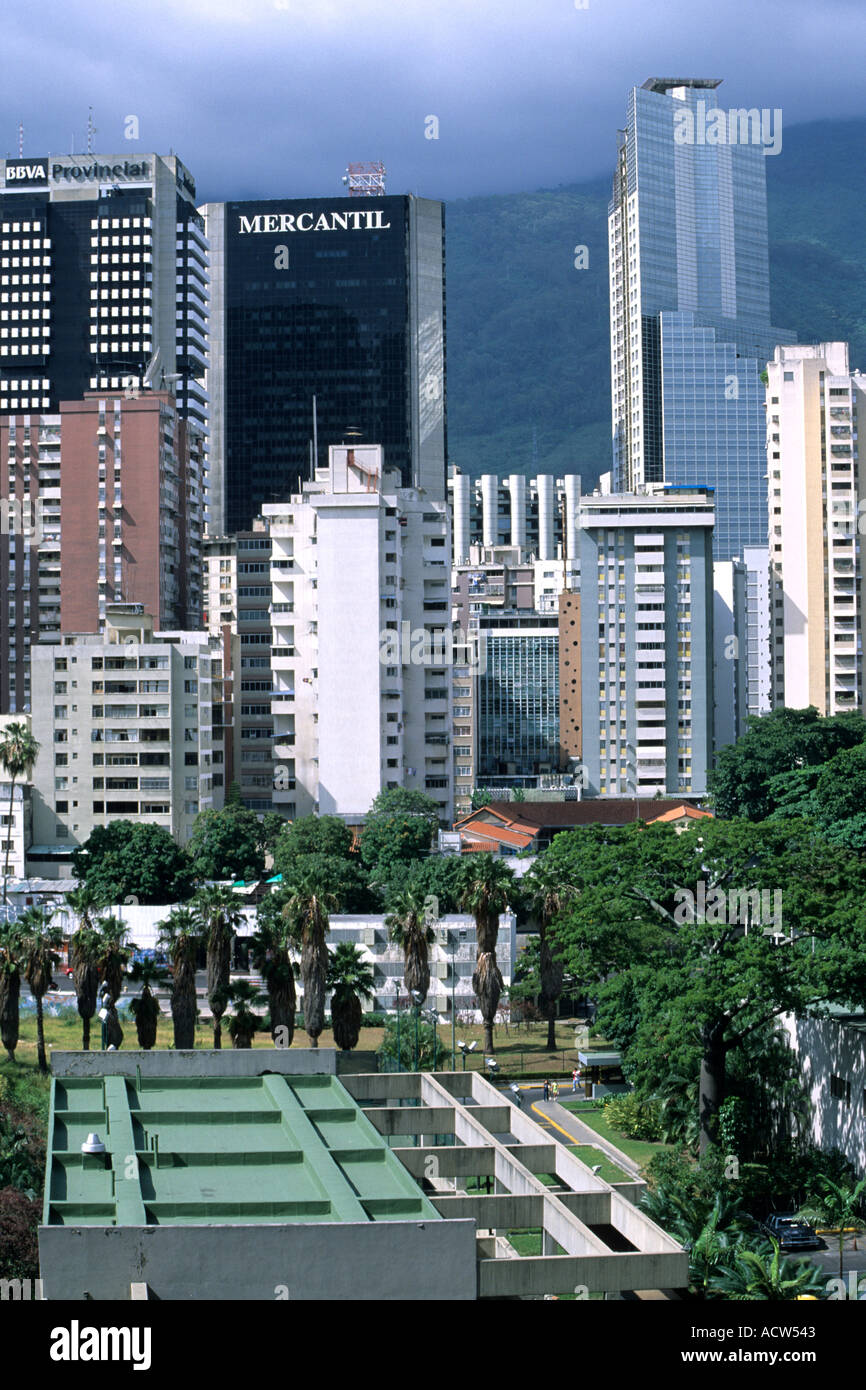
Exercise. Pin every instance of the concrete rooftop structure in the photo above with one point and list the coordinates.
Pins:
(239, 1174)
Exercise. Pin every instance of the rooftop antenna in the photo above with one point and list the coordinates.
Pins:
(365, 180)
(20, 138)
(91, 130)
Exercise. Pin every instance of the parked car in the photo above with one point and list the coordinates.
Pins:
(148, 953)
(791, 1231)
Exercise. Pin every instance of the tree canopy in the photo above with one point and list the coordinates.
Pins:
(127, 860)
(312, 835)
(694, 918)
(785, 741)
(227, 844)
(399, 828)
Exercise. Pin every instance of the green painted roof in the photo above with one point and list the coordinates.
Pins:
(213, 1150)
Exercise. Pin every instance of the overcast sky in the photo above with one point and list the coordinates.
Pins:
(272, 98)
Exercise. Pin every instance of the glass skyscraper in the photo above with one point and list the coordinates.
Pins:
(690, 302)
(341, 299)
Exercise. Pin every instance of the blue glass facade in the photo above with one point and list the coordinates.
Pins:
(518, 701)
(690, 304)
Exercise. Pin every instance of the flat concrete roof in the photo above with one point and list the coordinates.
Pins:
(198, 1150)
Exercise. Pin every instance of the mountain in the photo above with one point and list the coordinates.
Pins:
(528, 352)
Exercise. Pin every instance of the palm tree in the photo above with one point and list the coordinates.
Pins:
(838, 1207)
(10, 985)
(218, 913)
(179, 934)
(145, 1008)
(18, 753)
(40, 945)
(351, 979)
(762, 1274)
(271, 946)
(678, 1111)
(85, 953)
(709, 1234)
(545, 897)
(115, 954)
(488, 886)
(306, 911)
(243, 1024)
(408, 926)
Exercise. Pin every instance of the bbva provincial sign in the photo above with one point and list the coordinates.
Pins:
(348, 221)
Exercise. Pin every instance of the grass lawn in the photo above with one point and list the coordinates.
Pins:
(637, 1149)
(520, 1050)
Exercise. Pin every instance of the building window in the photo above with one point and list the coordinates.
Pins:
(840, 1089)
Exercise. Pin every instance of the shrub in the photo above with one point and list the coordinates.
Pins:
(19, 1248)
(635, 1118)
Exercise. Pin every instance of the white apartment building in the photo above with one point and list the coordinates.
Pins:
(640, 687)
(360, 642)
(124, 720)
(816, 494)
(537, 514)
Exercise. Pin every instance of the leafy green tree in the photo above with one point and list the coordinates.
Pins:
(313, 835)
(839, 1206)
(179, 935)
(40, 947)
(306, 910)
(400, 827)
(218, 914)
(525, 987)
(144, 1007)
(350, 976)
(244, 1023)
(712, 983)
(126, 859)
(488, 888)
(342, 879)
(227, 844)
(409, 927)
(271, 827)
(783, 741)
(10, 985)
(763, 1275)
(437, 877)
(271, 953)
(18, 753)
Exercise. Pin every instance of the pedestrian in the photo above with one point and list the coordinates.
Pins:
(574, 1079)
(547, 1090)
(554, 1091)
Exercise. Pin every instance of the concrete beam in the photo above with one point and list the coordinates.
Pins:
(611, 1273)
(412, 1119)
(453, 1160)
(500, 1212)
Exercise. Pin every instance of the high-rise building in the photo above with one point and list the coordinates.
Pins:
(817, 498)
(123, 717)
(359, 650)
(536, 514)
(327, 327)
(689, 302)
(518, 698)
(113, 489)
(637, 650)
(103, 263)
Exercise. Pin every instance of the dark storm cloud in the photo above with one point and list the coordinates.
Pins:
(273, 97)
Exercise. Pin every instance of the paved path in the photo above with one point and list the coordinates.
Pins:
(568, 1129)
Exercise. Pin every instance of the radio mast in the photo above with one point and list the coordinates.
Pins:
(365, 180)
